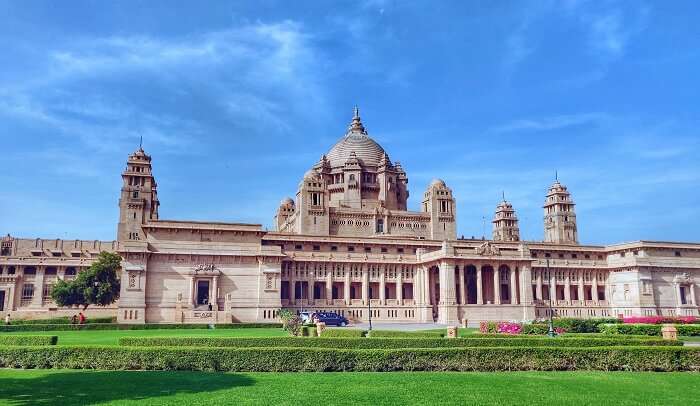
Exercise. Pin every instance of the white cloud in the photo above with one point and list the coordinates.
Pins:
(549, 123)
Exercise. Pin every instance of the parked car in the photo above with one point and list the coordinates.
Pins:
(331, 319)
(305, 317)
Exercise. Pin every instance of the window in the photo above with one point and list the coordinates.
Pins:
(574, 256)
(70, 271)
(600, 257)
(622, 254)
(46, 294)
(368, 249)
(677, 253)
(384, 249)
(351, 248)
(399, 250)
(75, 254)
(587, 256)
(57, 254)
(334, 248)
(533, 254)
(298, 247)
(30, 270)
(11, 270)
(547, 255)
(317, 248)
(135, 194)
(380, 226)
(27, 292)
(561, 255)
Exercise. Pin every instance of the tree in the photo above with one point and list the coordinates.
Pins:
(98, 285)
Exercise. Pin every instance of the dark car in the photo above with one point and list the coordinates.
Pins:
(331, 319)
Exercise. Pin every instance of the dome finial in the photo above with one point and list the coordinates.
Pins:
(356, 124)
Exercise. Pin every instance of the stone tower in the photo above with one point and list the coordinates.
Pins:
(138, 203)
(559, 216)
(284, 212)
(312, 205)
(442, 207)
(505, 223)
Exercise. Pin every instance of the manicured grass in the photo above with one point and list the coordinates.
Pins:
(24, 387)
(111, 337)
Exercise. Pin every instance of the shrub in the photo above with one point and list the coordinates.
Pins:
(649, 329)
(320, 359)
(308, 331)
(343, 332)
(116, 326)
(63, 320)
(28, 340)
(660, 320)
(407, 334)
(388, 343)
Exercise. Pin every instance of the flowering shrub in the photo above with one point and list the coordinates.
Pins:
(559, 330)
(660, 320)
(506, 327)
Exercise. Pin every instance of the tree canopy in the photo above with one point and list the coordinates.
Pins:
(98, 285)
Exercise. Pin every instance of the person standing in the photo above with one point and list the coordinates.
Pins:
(81, 318)
(7, 319)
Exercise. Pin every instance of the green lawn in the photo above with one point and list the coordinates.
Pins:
(29, 387)
(111, 337)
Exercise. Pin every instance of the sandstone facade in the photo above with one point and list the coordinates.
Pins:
(348, 243)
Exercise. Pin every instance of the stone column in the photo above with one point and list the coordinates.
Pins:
(365, 286)
(428, 291)
(538, 289)
(525, 286)
(462, 287)
(431, 289)
(346, 288)
(448, 294)
(215, 293)
(193, 298)
(594, 287)
(310, 287)
(581, 290)
(553, 286)
(418, 287)
(513, 287)
(11, 291)
(382, 286)
(567, 288)
(692, 295)
(329, 287)
(37, 299)
(60, 273)
(496, 286)
(399, 287)
(479, 287)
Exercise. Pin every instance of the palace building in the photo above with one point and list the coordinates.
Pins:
(349, 243)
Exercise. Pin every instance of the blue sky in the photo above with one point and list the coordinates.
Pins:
(236, 100)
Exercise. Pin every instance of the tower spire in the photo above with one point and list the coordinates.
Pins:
(140, 141)
(503, 192)
(356, 124)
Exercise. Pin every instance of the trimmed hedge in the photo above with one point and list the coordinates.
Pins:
(321, 359)
(63, 320)
(28, 340)
(406, 334)
(385, 343)
(649, 329)
(343, 332)
(117, 326)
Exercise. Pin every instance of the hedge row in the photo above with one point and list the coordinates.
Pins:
(343, 332)
(28, 340)
(649, 329)
(384, 343)
(407, 334)
(117, 326)
(63, 320)
(321, 359)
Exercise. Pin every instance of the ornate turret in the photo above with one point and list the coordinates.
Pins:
(505, 222)
(356, 124)
(138, 203)
(559, 216)
(439, 202)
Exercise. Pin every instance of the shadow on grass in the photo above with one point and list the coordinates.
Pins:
(92, 387)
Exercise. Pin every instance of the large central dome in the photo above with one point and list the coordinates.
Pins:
(356, 140)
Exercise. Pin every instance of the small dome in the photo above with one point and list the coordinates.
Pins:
(438, 183)
(310, 174)
(287, 201)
